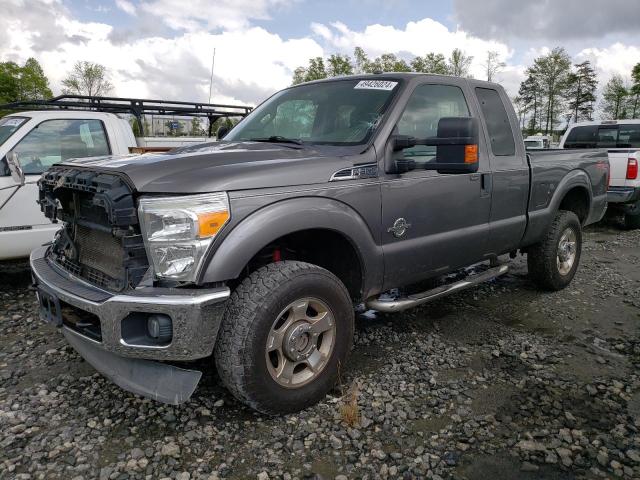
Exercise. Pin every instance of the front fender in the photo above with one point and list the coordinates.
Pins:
(288, 216)
(541, 216)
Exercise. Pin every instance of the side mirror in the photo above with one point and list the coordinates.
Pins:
(457, 143)
(222, 132)
(461, 155)
(17, 174)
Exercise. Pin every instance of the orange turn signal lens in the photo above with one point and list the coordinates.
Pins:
(471, 154)
(210, 223)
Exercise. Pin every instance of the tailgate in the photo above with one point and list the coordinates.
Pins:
(618, 163)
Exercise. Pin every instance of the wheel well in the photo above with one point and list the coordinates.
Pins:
(576, 200)
(326, 248)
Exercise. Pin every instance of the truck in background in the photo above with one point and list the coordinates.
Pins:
(622, 140)
(538, 142)
(66, 127)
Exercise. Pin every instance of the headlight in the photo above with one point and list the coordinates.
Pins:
(178, 230)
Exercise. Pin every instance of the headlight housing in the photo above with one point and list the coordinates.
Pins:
(178, 230)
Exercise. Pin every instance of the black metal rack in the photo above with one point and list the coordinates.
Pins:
(134, 106)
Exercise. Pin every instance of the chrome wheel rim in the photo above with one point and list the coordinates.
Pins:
(567, 250)
(300, 342)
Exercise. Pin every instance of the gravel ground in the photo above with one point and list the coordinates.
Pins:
(499, 382)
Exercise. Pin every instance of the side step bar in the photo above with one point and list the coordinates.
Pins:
(410, 301)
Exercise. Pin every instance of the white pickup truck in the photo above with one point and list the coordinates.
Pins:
(622, 140)
(41, 138)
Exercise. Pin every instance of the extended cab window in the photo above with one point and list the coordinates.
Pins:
(497, 121)
(427, 105)
(53, 141)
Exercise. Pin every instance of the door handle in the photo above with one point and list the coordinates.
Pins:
(486, 184)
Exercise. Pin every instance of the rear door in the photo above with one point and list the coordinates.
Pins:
(509, 174)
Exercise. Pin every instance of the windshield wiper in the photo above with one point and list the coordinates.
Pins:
(276, 139)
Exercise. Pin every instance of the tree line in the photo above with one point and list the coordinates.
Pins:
(457, 64)
(554, 91)
(29, 82)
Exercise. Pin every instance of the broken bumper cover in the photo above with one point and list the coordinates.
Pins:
(159, 381)
(195, 313)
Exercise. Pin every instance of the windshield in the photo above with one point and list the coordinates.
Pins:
(8, 125)
(341, 112)
(533, 143)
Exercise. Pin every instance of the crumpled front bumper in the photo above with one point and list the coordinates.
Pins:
(195, 313)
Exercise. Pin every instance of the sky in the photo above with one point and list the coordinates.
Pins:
(163, 48)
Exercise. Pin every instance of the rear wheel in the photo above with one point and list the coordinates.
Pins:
(285, 333)
(632, 217)
(553, 262)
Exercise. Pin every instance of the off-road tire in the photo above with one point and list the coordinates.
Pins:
(253, 307)
(542, 257)
(632, 220)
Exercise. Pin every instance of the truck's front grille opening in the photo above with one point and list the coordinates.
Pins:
(81, 321)
(101, 241)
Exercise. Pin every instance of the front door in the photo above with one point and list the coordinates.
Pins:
(432, 222)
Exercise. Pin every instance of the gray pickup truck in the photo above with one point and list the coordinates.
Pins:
(256, 249)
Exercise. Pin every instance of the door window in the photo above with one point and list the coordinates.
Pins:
(8, 126)
(427, 105)
(53, 141)
(497, 121)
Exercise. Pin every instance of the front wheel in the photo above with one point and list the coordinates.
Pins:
(285, 334)
(553, 262)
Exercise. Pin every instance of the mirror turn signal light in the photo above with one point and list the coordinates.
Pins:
(471, 154)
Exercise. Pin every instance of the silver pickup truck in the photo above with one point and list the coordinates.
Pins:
(256, 249)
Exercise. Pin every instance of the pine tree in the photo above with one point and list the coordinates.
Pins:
(635, 91)
(530, 94)
(581, 93)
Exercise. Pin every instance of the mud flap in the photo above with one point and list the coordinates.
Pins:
(158, 381)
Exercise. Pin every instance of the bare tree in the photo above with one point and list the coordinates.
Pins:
(87, 78)
(493, 65)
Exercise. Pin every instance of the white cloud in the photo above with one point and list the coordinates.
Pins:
(126, 6)
(608, 61)
(417, 38)
(194, 15)
(251, 63)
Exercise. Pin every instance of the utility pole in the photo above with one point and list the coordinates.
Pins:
(213, 61)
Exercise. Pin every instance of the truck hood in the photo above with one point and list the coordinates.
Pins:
(224, 167)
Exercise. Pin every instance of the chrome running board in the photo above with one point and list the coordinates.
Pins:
(410, 301)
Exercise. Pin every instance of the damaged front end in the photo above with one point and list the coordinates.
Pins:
(101, 240)
(93, 283)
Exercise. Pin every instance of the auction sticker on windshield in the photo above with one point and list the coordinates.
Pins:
(376, 85)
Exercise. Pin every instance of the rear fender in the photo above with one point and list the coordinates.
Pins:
(542, 216)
